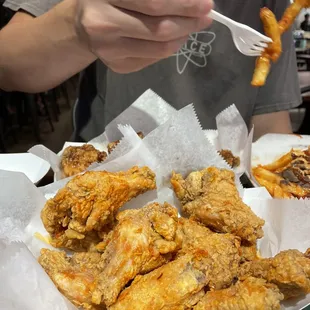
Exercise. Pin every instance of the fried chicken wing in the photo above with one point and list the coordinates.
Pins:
(252, 293)
(74, 277)
(211, 197)
(76, 159)
(223, 249)
(289, 270)
(175, 286)
(80, 213)
(141, 242)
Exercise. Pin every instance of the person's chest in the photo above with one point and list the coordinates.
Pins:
(208, 70)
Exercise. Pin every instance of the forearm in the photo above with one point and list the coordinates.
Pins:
(277, 122)
(40, 53)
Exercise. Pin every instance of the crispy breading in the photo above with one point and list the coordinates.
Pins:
(74, 277)
(76, 159)
(289, 270)
(177, 285)
(252, 293)
(82, 212)
(233, 161)
(223, 249)
(142, 241)
(211, 197)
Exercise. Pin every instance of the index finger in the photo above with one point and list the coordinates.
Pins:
(187, 8)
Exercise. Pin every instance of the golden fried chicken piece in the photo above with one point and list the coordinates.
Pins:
(141, 242)
(289, 270)
(249, 252)
(76, 159)
(211, 197)
(233, 161)
(84, 209)
(112, 145)
(223, 249)
(174, 286)
(252, 293)
(74, 277)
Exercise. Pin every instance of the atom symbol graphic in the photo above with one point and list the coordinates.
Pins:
(195, 50)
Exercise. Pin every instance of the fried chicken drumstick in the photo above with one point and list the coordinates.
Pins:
(80, 213)
(211, 197)
(289, 270)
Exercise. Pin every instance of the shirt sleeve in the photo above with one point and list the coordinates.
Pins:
(281, 91)
(33, 7)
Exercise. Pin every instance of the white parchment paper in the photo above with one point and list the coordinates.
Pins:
(145, 114)
(232, 134)
(24, 284)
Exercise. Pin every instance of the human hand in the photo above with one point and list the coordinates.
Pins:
(128, 35)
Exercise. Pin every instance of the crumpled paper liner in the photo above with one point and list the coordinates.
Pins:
(166, 149)
(232, 134)
(24, 284)
(145, 114)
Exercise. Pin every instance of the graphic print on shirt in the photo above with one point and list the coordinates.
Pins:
(195, 50)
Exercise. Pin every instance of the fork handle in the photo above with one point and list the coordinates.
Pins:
(221, 18)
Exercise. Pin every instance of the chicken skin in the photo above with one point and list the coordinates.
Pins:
(142, 241)
(76, 159)
(84, 210)
(249, 252)
(211, 197)
(252, 293)
(289, 270)
(223, 249)
(74, 277)
(177, 285)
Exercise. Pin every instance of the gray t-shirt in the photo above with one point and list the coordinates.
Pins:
(208, 71)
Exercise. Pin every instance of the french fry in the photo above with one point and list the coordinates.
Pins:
(295, 189)
(273, 189)
(282, 162)
(294, 183)
(267, 175)
(262, 69)
(291, 13)
(280, 193)
(272, 31)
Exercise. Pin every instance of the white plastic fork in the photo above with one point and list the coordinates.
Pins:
(247, 40)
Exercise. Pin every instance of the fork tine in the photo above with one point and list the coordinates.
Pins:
(262, 44)
(254, 54)
(257, 48)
